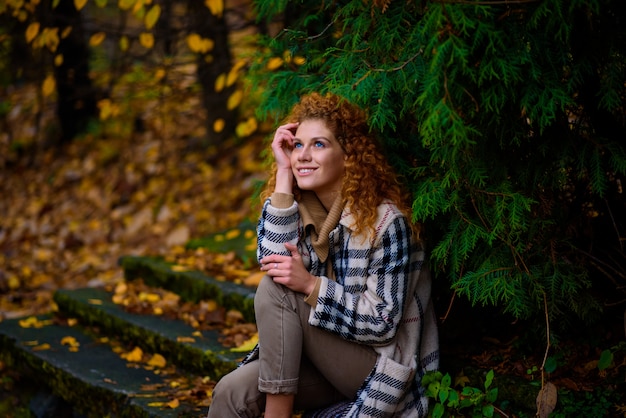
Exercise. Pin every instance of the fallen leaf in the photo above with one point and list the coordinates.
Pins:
(157, 360)
(248, 345)
(134, 356)
(173, 404)
(546, 400)
(42, 347)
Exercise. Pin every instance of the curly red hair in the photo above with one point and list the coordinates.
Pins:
(369, 178)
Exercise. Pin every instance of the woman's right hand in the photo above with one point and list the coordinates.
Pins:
(282, 145)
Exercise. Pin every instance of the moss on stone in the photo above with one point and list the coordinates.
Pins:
(191, 286)
(152, 333)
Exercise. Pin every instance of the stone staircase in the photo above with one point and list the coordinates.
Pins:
(79, 354)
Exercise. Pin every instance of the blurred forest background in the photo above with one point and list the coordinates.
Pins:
(132, 126)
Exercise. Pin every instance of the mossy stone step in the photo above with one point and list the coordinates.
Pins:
(177, 341)
(190, 285)
(94, 379)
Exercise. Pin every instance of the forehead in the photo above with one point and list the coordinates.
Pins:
(314, 128)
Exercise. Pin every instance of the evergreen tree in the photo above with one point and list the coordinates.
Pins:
(507, 118)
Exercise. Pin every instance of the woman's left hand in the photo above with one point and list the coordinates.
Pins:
(289, 270)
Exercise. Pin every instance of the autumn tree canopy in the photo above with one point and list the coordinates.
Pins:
(507, 119)
(82, 53)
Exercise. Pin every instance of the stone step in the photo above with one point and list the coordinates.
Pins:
(94, 378)
(190, 285)
(178, 342)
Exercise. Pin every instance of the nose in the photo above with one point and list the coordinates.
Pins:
(304, 154)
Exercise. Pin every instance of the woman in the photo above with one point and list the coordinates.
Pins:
(344, 314)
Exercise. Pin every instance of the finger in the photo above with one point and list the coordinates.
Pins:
(293, 249)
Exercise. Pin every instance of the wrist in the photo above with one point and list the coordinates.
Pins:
(284, 181)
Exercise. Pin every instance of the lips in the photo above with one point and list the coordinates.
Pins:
(305, 170)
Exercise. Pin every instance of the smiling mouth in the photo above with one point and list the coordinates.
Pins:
(305, 170)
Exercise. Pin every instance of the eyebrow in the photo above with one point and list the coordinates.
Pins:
(315, 138)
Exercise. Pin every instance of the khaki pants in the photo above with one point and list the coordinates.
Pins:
(319, 367)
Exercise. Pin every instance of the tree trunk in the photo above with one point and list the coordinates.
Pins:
(76, 103)
(210, 67)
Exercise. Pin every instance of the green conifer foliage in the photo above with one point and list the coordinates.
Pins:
(508, 120)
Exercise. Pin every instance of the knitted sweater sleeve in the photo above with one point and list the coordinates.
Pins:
(276, 226)
(367, 305)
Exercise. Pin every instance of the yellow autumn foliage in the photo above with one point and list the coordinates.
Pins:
(234, 100)
(31, 31)
(146, 40)
(97, 38)
(134, 356)
(48, 86)
(157, 360)
(218, 125)
(198, 44)
(79, 4)
(152, 16)
(215, 6)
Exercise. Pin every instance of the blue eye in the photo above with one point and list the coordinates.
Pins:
(319, 144)
(297, 145)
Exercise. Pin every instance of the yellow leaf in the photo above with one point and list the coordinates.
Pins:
(179, 268)
(149, 297)
(461, 380)
(28, 322)
(125, 4)
(274, 63)
(218, 125)
(66, 32)
(254, 279)
(249, 234)
(232, 77)
(120, 288)
(95, 301)
(215, 6)
(58, 60)
(173, 404)
(32, 31)
(247, 345)
(234, 100)
(101, 3)
(72, 321)
(157, 360)
(134, 356)
(146, 40)
(14, 282)
(198, 44)
(79, 4)
(246, 128)
(124, 44)
(220, 83)
(193, 42)
(156, 404)
(211, 305)
(152, 16)
(48, 86)
(233, 233)
(185, 339)
(97, 38)
(50, 36)
(42, 347)
(159, 74)
(69, 340)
